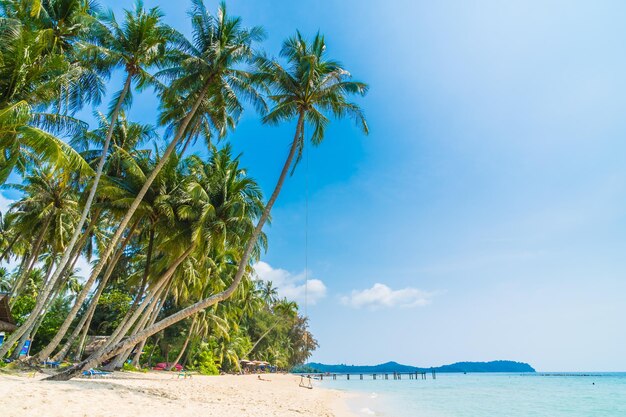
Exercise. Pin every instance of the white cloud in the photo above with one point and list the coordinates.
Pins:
(381, 296)
(291, 286)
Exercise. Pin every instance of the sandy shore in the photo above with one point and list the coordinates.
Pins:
(160, 394)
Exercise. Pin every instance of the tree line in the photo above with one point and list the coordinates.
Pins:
(172, 237)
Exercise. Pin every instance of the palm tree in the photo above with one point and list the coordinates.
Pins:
(33, 74)
(136, 46)
(207, 72)
(310, 86)
(46, 214)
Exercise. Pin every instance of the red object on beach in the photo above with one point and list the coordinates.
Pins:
(165, 366)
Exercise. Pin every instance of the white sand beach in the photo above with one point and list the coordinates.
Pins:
(162, 394)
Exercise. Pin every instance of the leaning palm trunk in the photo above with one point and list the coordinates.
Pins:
(32, 331)
(28, 266)
(17, 285)
(7, 251)
(79, 226)
(121, 331)
(45, 352)
(111, 351)
(155, 315)
(86, 318)
(148, 319)
(263, 336)
(182, 350)
(135, 204)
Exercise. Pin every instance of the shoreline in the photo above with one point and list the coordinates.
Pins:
(163, 394)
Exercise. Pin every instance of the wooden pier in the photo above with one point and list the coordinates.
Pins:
(381, 376)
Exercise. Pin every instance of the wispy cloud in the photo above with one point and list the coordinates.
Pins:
(381, 296)
(291, 286)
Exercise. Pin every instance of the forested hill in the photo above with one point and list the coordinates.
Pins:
(494, 366)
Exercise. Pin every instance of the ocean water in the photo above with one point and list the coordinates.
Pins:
(489, 395)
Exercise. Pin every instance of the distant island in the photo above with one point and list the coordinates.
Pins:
(493, 366)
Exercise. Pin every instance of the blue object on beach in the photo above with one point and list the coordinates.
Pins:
(95, 373)
(1, 338)
(52, 364)
(25, 349)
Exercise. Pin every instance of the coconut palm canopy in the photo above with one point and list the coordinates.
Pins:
(172, 236)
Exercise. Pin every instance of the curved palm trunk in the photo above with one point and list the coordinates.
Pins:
(8, 249)
(83, 217)
(121, 331)
(184, 348)
(153, 318)
(30, 333)
(86, 318)
(19, 284)
(146, 273)
(261, 338)
(45, 352)
(152, 311)
(148, 319)
(135, 204)
(111, 351)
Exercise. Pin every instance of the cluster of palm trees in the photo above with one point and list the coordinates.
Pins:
(177, 232)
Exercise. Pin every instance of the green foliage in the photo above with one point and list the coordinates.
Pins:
(303, 369)
(130, 368)
(55, 315)
(112, 307)
(205, 362)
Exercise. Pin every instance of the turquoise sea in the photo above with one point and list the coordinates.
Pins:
(490, 395)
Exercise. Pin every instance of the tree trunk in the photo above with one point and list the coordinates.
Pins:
(78, 229)
(83, 338)
(121, 331)
(7, 251)
(156, 343)
(261, 338)
(79, 302)
(155, 315)
(135, 204)
(30, 333)
(146, 272)
(147, 319)
(19, 283)
(86, 318)
(111, 351)
(182, 350)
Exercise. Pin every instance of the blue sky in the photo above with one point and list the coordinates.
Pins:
(484, 217)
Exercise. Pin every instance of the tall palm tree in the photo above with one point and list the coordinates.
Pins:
(206, 72)
(136, 46)
(45, 213)
(310, 86)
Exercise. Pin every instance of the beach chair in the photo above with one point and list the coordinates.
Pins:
(94, 373)
(184, 374)
(25, 349)
(51, 364)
